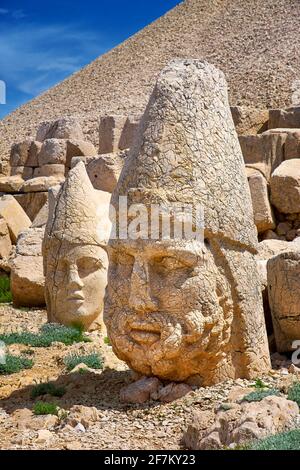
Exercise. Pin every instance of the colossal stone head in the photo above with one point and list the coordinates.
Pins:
(178, 307)
(75, 260)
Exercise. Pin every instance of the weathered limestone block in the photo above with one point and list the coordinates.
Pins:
(24, 172)
(291, 138)
(117, 132)
(63, 128)
(32, 202)
(78, 148)
(262, 211)
(264, 151)
(41, 183)
(20, 153)
(289, 117)
(56, 169)
(27, 278)
(15, 217)
(5, 242)
(241, 423)
(75, 261)
(269, 248)
(33, 154)
(284, 298)
(42, 216)
(104, 170)
(11, 184)
(158, 320)
(53, 151)
(248, 120)
(285, 187)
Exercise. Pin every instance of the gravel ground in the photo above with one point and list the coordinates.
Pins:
(119, 426)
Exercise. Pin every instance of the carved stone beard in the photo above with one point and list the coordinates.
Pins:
(176, 344)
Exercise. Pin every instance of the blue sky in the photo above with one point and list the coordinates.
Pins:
(41, 43)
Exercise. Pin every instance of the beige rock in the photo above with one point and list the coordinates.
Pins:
(44, 437)
(24, 172)
(140, 391)
(248, 120)
(33, 154)
(242, 423)
(262, 211)
(284, 287)
(15, 217)
(84, 415)
(53, 151)
(11, 184)
(63, 128)
(264, 151)
(20, 153)
(171, 392)
(269, 248)
(41, 217)
(5, 242)
(75, 261)
(78, 148)
(117, 133)
(104, 170)
(30, 242)
(55, 169)
(289, 117)
(291, 139)
(285, 187)
(41, 183)
(219, 333)
(27, 281)
(32, 202)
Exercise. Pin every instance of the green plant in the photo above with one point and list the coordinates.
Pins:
(259, 384)
(5, 293)
(47, 388)
(44, 408)
(283, 441)
(106, 341)
(14, 364)
(93, 360)
(258, 395)
(294, 392)
(48, 334)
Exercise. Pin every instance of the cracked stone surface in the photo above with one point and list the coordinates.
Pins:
(177, 309)
(75, 262)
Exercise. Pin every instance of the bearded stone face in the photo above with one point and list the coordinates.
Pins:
(76, 277)
(168, 309)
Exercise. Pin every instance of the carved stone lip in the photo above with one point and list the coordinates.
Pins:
(75, 296)
(144, 332)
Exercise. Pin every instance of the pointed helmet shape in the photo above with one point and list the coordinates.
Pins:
(79, 213)
(187, 151)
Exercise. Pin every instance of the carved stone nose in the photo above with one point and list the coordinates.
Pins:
(74, 278)
(140, 298)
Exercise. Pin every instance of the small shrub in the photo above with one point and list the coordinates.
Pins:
(14, 364)
(47, 388)
(93, 361)
(106, 341)
(283, 441)
(258, 395)
(5, 293)
(294, 393)
(44, 408)
(48, 334)
(259, 384)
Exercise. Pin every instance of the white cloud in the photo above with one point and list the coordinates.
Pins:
(3, 11)
(33, 58)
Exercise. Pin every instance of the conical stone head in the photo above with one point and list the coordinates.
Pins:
(75, 260)
(179, 307)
